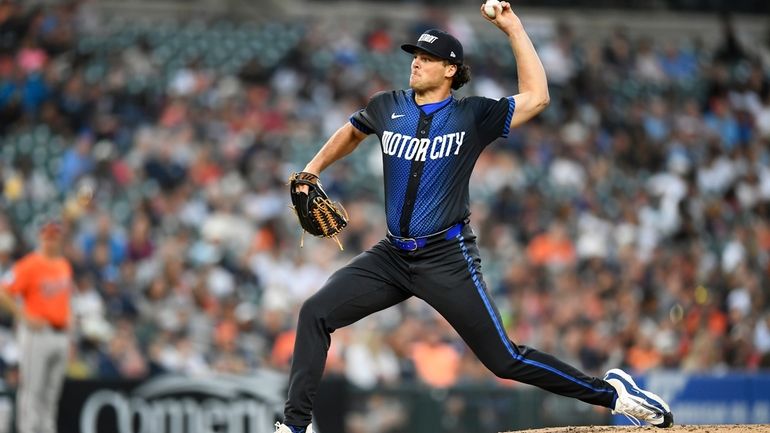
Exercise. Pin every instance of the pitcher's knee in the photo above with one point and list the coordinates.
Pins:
(502, 373)
(504, 369)
(309, 311)
(313, 313)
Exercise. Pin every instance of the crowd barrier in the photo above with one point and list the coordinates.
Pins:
(236, 404)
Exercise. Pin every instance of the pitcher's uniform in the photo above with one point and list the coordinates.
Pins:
(430, 250)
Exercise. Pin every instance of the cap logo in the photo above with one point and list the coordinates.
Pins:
(452, 54)
(427, 38)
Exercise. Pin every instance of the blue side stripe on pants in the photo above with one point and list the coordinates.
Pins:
(501, 333)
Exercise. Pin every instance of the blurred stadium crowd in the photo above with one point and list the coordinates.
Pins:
(628, 226)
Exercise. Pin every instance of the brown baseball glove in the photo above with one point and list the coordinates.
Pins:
(317, 214)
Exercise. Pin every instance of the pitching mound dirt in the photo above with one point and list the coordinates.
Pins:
(740, 428)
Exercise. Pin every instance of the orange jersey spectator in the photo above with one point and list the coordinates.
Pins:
(437, 363)
(44, 284)
(43, 281)
(552, 248)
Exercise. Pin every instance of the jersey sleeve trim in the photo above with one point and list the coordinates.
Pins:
(511, 108)
(360, 126)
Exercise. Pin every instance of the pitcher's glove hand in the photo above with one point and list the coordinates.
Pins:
(317, 215)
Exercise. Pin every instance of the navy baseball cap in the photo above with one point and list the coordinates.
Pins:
(439, 43)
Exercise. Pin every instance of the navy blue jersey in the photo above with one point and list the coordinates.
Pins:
(428, 159)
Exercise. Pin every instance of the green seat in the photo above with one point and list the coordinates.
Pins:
(53, 166)
(41, 134)
(8, 151)
(21, 212)
(24, 143)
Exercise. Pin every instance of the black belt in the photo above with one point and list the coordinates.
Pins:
(58, 328)
(50, 327)
(413, 244)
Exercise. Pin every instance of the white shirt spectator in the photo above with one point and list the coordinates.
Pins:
(593, 239)
(733, 255)
(567, 174)
(762, 334)
(369, 361)
(716, 177)
(557, 62)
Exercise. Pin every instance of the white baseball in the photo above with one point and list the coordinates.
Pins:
(489, 8)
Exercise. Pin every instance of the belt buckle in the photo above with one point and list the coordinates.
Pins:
(407, 244)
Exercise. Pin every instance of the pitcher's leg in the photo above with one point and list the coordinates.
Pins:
(366, 285)
(460, 295)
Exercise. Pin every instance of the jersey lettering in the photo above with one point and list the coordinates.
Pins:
(424, 143)
(412, 149)
(53, 286)
(460, 136)
(420, 149)
(435, 152)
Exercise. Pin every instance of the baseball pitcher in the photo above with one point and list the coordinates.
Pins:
(430, 142)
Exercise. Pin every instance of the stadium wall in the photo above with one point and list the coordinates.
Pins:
(355, 15)
(179, 404)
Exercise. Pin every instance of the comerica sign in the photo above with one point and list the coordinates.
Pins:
(222, 404)
(176, 415)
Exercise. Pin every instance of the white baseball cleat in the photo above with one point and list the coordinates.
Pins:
(637, 404)
(283, 428)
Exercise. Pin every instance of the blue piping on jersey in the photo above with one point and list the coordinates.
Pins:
(501, 333)
(511, 108)
(360, 126)
(431, 108)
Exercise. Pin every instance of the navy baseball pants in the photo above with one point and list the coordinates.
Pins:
(446, 274)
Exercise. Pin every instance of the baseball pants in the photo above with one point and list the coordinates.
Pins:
(42, 367)
(446, 274)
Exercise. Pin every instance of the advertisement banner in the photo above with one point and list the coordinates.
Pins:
(730, 398)
(174, 404)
